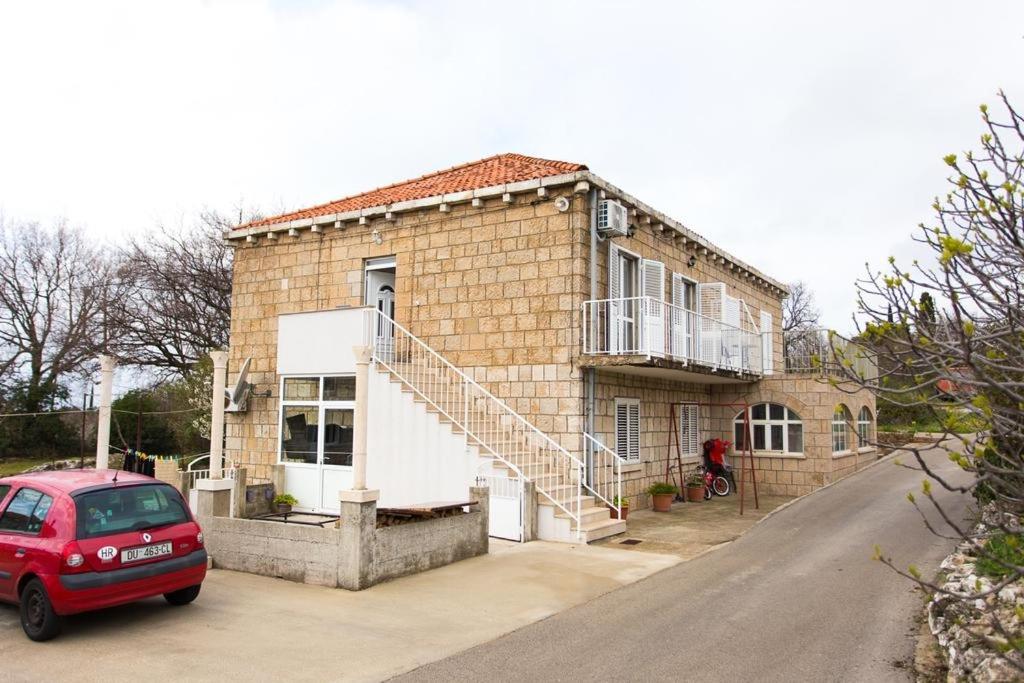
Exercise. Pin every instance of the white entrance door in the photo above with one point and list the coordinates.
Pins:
(317, 454)
(380, 293)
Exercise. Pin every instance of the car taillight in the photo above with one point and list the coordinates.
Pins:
(72, 561)
(199, 538)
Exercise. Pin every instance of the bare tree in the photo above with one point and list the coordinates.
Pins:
(800, 324)
(799, 311)
(53, 286)
(958, 319)
(179, 296)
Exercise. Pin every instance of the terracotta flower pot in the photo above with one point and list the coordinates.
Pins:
(694, 494)
(621, 514)
(662, 502)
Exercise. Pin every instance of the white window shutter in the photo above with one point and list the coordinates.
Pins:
(627, 428)
(678, 291)
(614, 272)
(767, 343)
(634, 431)
(652, 285)
(622, 430)
(689, 429)
(712, 299)
(653, 280)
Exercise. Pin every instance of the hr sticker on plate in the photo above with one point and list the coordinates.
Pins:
(107, 553)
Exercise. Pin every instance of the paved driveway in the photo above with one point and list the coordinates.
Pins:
(251, 628)
(796, 599)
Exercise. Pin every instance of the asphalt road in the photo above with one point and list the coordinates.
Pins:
(798, 598)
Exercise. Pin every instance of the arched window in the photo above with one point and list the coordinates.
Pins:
(864, 432)
(840, 419)
(774, 428)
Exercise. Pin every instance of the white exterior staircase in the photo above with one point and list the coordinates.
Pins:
(572, 503)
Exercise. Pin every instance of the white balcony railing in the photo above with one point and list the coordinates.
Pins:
(643, 326)
(820, 352)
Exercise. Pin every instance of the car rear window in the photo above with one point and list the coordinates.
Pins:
(131, 508)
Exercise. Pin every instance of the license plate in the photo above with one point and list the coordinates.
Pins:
(145, 552)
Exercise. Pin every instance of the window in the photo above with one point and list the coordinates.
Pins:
(774, 428)
(627, 428)
(864, 428)
(26, 512)
(4, 490)
(840, 419)
(317, 420)
(689, 430)
(128, 508)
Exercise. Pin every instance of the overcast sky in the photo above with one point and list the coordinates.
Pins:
(804, 137)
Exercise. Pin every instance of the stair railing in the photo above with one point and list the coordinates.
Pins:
(604, 476)
(486, 420)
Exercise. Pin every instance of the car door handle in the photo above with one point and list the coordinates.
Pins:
(20, 552)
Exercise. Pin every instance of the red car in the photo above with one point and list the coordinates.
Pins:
(79, 540)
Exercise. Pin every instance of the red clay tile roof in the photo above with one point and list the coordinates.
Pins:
(496, 170)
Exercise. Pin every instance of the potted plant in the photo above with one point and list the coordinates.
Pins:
(284, 502)
(694, 487)
(623, 506)
(662, 493)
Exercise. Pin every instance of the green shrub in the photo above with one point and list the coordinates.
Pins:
(662, 487)
(285, 499)
(1004, 549)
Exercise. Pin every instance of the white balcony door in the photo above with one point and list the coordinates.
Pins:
(623, 269)
(684, 296)
(652, 281)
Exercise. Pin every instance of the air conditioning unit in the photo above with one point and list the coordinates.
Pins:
(612, 218)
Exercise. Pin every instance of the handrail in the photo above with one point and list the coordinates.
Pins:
(598, 476)
(647, 326)
(484, 419)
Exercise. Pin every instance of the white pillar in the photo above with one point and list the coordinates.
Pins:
(359, 418)
(220, 370)
(107, 364)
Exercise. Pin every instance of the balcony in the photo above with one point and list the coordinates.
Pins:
(827, 354)
(646, 336)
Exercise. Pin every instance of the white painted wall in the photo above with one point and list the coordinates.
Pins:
(411, 457)
(320, 342)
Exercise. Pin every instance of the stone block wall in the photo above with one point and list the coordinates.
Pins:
(352, 555)
(656, 449)
(814, 399)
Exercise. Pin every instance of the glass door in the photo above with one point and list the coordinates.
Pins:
(335, 463)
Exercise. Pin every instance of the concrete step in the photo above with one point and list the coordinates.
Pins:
(597, 530)
(586, 502)
(589, 515)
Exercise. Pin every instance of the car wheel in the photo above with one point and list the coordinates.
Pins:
(184, 596)
(38, 619)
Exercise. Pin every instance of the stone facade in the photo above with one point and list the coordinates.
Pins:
(497, 287)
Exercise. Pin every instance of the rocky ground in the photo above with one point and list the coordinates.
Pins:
(981, 638)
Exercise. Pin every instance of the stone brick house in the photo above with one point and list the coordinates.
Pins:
(529, 322)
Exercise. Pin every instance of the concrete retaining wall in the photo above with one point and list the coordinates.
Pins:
(353, 555)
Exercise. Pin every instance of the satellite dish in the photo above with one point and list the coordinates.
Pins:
(238, 398)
